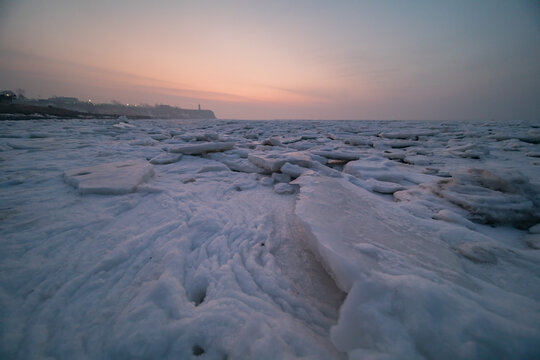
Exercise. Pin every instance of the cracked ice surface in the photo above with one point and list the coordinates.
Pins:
(192, 239)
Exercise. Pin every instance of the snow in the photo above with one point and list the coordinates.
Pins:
(269, 239)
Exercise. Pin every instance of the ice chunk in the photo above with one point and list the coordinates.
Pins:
(270, 163)
(333, 206)
(358, 141)
(273, 162)
(123, 124)
(472, 151)
(417, 160)
(384, 170)
(325, 170)
(236, 162)
(266, 181)
(160, 137)
(202, 148)
(298, 158)
(144, 142)
(292, 140)
(281, 178)
(392, 155)
(384, 187)
(535, 229)
(533, 137)
(532, 240)
(319, 159)
(493, 196)
(210, 136)
(292, 170)
(165, 158)
(283, 188)
(406, 135)
(337, 155)
(111, 178)
(399, 144)
(273, 141)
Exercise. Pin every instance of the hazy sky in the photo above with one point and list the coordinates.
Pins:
(282, 59)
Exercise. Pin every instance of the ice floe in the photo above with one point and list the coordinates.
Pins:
(110, 178)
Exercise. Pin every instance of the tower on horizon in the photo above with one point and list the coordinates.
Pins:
(199, 106)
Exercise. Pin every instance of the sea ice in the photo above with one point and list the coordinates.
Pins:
(281, 178)
(235, 162)
(337, 155)
(201, 148)
(404, 283)
(493, 196)
(111, 178)
(274, 161)
(201, 262)
(292, 170)
(532, 240)
(165, 158)
(284, 188)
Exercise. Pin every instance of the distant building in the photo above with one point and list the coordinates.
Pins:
(7, 97)
(199, 107)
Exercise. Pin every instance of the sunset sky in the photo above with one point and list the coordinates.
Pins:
(282, 59)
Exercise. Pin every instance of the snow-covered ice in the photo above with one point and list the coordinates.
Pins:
(269, 239)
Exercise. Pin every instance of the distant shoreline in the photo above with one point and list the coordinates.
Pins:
(27, 112)
(19, 111)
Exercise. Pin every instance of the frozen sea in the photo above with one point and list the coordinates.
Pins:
(182, 239)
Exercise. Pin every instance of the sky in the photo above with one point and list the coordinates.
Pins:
(424, 60)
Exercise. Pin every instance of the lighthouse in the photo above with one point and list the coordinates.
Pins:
(199, 107)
